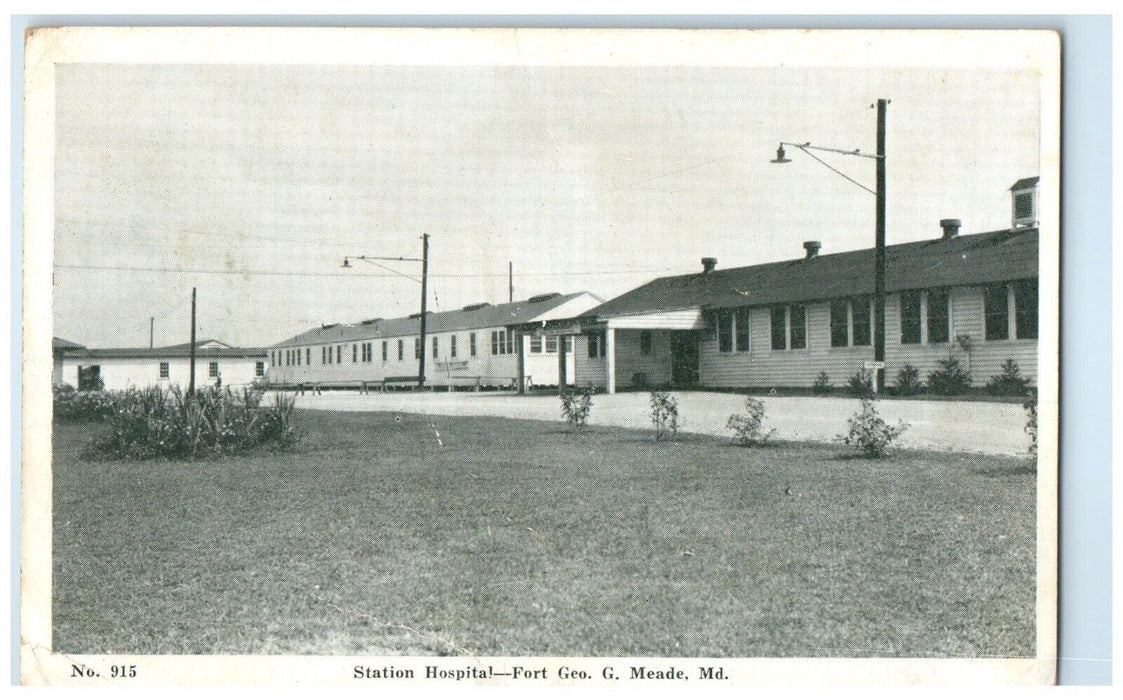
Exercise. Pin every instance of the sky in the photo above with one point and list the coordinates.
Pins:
(252, 182)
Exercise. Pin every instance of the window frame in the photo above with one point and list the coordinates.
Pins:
(165, 370)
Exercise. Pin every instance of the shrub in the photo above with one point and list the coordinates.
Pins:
(71, 405)
(821, 385)
(664, 415)
(908, 381)
(1030, 407)
(154, 423)
(576, 406)
(950, 379)
(1009, 382)
(869, 433)
(748, 427)
(861, 384)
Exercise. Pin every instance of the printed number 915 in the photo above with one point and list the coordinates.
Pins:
(123, 671)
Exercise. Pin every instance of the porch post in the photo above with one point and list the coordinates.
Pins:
(522, 361)
(610, 358)
(561, 364)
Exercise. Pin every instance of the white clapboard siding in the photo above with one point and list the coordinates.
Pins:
(681, 319)
(590, 371)
(630, 360)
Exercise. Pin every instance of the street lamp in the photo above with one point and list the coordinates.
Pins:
(424, 260)
(879, 228)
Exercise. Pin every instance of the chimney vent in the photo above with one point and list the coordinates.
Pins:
(950, 227)
(1024, 196)
(708, 265)
(812, 248)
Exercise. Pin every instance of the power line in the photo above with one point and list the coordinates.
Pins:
(281, 273)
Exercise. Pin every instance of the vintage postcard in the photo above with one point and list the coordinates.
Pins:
(617, 358)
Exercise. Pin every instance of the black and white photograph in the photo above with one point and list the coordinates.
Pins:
(538, 357)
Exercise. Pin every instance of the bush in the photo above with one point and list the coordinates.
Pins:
(821, 385)
(664, 415)
(908, 381)
(861, 384)
(869, 432)
(576, 406)
(1030, 407)
(1010, 382)
(71, 405)
(950, 379)
(748, 427)
(154, 423)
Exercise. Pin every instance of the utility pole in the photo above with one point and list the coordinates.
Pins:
(879, 254)
(511, 280)
(191, 385)
(151, 331)
(424, 280)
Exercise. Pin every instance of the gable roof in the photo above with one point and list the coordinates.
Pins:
(204, 349)
(962, 260)
(62, 344)
(470, 317)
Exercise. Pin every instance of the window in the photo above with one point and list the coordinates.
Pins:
(323, 356)
(797, 334)
(596, 345)
(860, 308)
(472, 344)
(1025, 309)
(401, 350)
(939, 316)
(385, 351)
(354, 353)
(910, 317)
(645, 342)
(339, 354)
(452, 345)
(212, 370)
(510, 343)
(779, 328)
(308, 356)
(417, 348)
(502, 343)
(840, 322)
(164, 373)
(569, 343)
(996, 311)
(436, 347)
(725, 331)
(742, 321)
(551, 344)
(535, 344)
(259, 369)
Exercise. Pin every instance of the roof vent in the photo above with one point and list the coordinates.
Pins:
(812, 248)
(473, 307)
(369, 321)
(418, 314)
(950, 227)
(325, 326)
(1024, 202)
(542, 297)
(708, 265)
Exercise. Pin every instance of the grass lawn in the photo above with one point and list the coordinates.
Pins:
(388, 534)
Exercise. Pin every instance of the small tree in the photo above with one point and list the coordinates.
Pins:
(861, 384)
(822, 385)
(664, 415)
(908, 381)
(1030, 407)
(869, 433)
(1009, 382)
(748, 427)
(576, 406)
(950, 379)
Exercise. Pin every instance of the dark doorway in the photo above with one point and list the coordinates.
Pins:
(684, 359)
(89, 378)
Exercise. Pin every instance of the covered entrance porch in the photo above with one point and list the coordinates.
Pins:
(641, 351)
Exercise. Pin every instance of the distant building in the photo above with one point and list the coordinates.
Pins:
(121, 368)
(60, 346)
(781, 324)
(469, 347)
